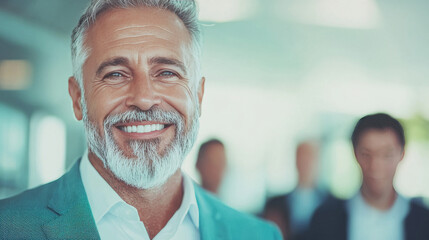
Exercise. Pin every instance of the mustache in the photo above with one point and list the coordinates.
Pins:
(155, 114)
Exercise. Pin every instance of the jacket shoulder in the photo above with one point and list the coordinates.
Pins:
(418, 212)
(27, 210)
(35, 197)
(416, 222)
(276, 201)
(329, 220)
(240, 225)
(332, 204)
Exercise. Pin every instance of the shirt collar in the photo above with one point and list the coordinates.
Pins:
(400, 207)
(189, 202)
(103, 199)
(101, 196)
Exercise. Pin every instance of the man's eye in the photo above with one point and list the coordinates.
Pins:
(116, 78)
(167, 74)
(114, 75)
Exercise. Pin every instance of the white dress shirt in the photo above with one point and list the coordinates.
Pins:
(115, 219)
(369, 223)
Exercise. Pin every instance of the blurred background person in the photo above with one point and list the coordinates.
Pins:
(377, 211)
(293, 211)
(211, 164)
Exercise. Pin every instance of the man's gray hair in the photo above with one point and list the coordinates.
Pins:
(186, 10)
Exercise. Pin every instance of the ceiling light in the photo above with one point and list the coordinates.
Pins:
(14, 74)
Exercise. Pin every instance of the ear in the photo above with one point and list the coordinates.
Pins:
(201, 93)
(76, 95)
(403, 154)
(354, 153)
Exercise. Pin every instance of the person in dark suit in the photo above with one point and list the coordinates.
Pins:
(292, 212)
(377, 211)
(138, 89)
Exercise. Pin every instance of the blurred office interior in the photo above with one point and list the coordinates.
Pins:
(277, 72)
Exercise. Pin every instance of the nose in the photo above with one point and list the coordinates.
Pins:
(376, 167)
(142, 93)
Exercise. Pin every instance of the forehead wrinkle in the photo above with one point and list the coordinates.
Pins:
(125, 38)
(148, 47)
(147, 37)
(142, 27)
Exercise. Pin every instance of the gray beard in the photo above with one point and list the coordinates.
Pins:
(149, 168)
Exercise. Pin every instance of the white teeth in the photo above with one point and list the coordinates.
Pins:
(140, 128)
(143, 128)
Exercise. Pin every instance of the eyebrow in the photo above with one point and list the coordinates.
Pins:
(168, 61)
(112, 62)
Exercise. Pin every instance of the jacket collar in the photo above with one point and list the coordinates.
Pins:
(69, 201)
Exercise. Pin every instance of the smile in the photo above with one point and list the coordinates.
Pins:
(142, 128)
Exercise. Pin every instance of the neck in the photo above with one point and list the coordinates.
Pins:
(381, 200)
(155, 206)
(306, 184)
(209, 186)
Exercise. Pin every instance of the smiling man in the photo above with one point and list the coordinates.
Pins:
(138, 89)
(377, 211)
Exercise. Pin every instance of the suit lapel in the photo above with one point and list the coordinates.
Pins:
(211, 224)
(69, 201)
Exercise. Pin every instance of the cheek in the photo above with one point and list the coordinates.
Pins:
(392, 168)
(179, 96)
(103, 100)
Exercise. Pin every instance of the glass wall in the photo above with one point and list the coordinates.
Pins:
(47, 149)
(13, 150)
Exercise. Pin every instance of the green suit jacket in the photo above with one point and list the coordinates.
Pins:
(60, 210)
